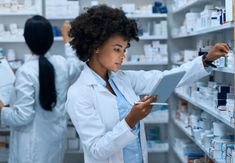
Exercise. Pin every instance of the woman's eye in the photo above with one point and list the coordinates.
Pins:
(116, 49)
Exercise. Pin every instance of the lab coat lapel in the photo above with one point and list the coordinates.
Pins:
(123, 88)
(90, 80)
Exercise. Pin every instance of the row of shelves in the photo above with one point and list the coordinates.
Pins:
(218, 69)
(229, 25)
(21, 39)
(206, 108)
(159, 150)
(33, 12)
(148, 120)
(187, 132)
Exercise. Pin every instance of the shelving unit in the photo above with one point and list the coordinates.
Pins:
(229, 25)
(74, 151)
(179, 42)
(146, 15)
(160, 150)
(152, 38)
(5, 130)
(175, 42)
(142, 64)
(150, 121)
(188, 133)
(32, 10)
(205, 108)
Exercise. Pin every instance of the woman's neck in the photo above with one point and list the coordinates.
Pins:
(99, 69)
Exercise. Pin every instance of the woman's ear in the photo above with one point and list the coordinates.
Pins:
(97, 51)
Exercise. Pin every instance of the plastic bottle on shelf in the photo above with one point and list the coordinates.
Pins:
(206, 16)
(190, 19)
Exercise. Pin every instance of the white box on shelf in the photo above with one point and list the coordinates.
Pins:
(61, 9)
(229, 10)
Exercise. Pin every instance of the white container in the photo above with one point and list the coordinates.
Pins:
(157, 29)
(219, 129)
(94, 3)
(2, 28)
(190, 19)
(215, 20)
(11, 56)
(128, 8)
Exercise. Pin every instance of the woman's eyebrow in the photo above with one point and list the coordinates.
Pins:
(119, 45)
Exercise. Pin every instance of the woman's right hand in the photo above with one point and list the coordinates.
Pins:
(139, 111)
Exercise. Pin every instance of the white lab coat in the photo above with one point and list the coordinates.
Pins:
(38, 136)
(94, 111)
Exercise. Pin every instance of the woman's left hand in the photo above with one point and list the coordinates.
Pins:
(217, 51)
(1, 104)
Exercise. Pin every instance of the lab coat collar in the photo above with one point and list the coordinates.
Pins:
(91, 76)
(35, 56)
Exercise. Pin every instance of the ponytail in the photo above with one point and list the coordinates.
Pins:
(39, 37)
(47, 90)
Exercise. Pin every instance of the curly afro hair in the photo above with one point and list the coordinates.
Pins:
(92, 28)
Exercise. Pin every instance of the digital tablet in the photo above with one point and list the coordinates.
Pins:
(165, 87)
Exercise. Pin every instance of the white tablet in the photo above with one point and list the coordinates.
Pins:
(165, 87)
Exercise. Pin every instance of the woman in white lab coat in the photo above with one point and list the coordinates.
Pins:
(38, 118)
(101, 102)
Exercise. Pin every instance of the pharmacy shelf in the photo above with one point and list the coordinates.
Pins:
(156, 121)
(143, 64)
(229, 25)
(5, 129)
(189, 5)
(159, 150)
(151, 37)
(188, 133)
(205, 108)
(140, 37)
(12, 40)
(157, 15)
(179, 156)
(157, 117)
(21, 40)
(225, 70)
(60, 18)
(219, 69)
(73, 151)
(20, 13)
(58, 38)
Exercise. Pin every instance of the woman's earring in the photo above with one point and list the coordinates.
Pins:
(97, 51)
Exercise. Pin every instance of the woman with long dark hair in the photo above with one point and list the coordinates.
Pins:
(38, 118)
